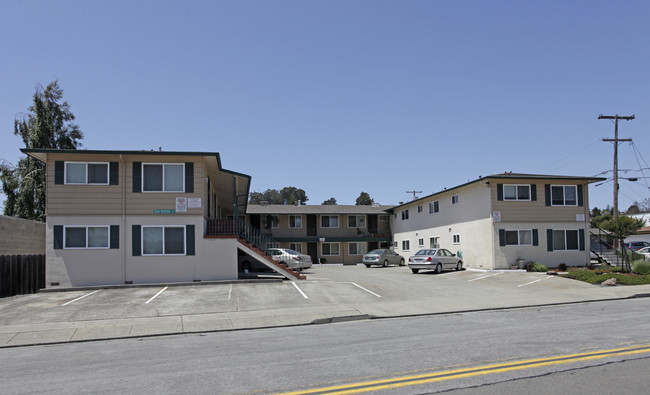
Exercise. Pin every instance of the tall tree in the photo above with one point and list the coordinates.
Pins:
(287, 195)
(48, 124)
(330, 202)
(364, 199)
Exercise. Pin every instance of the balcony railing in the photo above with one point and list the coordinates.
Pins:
(242, 230)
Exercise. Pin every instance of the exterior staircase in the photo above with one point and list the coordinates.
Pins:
(253, 242)
(260, 255)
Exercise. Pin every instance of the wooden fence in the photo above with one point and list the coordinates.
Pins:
(21, 274)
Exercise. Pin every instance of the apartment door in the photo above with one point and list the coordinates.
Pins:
(312, 225)
(372, 224)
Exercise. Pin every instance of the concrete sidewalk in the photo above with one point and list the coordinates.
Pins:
(39, 333)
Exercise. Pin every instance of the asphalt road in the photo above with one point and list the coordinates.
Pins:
(415, 351)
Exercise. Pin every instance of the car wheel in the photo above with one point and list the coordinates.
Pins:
(459, 266)
(368, 266)
(385, 263)
(415, 271)
(439, 268)
(246, 266)
(401, 262)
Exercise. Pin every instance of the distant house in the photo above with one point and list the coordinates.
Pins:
(642, 234)
(498, 221)
(116, 217)
(331, 233)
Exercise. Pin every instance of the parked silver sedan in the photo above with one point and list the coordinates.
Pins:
(291, 258)
(382, 257)
(434, 259)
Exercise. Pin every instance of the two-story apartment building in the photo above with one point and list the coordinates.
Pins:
(494, 221)
(116, 217)
(328, 233)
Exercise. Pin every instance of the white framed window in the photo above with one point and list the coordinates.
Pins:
(516, 192)
(565, 240)
(395, 244)
(564, 195)
(82, 173)
(329, 221)
(163, 177)
(405, 214)
(330, 249)
(456, 239)
(434, 242)
(454, 199)
(434, 207)
(383, 218)
(86, 236)
(419, 208)
(296, 247)
(356, 221)
(406, 245)
(519, 237)
(357, 248)
(163, 240)
(295, 221)
(420, 242)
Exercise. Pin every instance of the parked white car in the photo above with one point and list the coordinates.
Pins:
(645, 251)
(291, 258)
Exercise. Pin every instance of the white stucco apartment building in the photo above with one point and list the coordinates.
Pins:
(494, 221)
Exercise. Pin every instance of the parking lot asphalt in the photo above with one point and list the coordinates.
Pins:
(331, 293)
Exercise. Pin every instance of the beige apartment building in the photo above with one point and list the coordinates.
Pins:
(116, 217)
(328, 233)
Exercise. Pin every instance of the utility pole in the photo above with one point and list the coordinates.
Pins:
(616, 141)
(414, 192)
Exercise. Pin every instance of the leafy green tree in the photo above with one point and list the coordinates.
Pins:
(330, 202)
(621, 228)
(287, 195)
(48, 124)
(293, 195)
(364, 199)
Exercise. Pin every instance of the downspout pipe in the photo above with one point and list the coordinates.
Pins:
(123, 219)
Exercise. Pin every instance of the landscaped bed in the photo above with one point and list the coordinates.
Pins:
(640, 275)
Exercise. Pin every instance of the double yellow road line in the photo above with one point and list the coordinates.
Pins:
(367, 386)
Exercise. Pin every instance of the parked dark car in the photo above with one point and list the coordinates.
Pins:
(637, 245)
(382, 257)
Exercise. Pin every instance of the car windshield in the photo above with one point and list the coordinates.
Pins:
(426, 252)
(375, 252)
(292, 252)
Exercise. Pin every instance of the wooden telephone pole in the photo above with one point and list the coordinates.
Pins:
(616, 141)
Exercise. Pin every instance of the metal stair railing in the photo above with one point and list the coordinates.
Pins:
(243, 230)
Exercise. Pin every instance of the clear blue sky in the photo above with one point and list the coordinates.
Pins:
(339, 97)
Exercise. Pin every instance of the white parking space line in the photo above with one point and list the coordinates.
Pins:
(79, 298)
(156, 295)
(300, 290)
(370, 292)
(229, 291)
(480, 278)
(532, 282)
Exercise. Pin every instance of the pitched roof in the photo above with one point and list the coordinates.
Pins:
(506, 176)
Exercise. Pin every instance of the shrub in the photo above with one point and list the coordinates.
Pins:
(536, 267)
(641, 267)
(561, 267)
